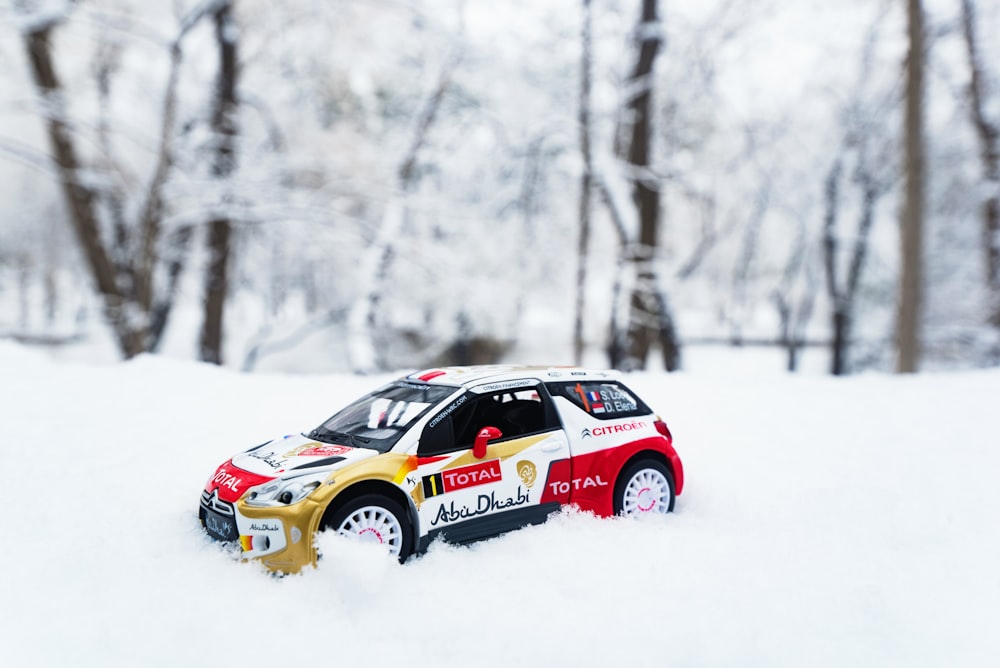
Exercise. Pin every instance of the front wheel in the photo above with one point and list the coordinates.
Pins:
(644, 488)
(375, 519)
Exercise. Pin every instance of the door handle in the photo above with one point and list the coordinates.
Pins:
(552, 447)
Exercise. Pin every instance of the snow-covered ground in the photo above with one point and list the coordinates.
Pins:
(824, 523)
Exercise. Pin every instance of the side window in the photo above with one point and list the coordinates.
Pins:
(438, 436)
(514, 413)
(602, 399)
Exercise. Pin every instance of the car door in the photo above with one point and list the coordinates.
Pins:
(465, 492)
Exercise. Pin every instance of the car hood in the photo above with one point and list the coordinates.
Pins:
(294, 452)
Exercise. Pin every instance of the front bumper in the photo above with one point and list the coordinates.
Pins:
(280, 537)
(218, 517)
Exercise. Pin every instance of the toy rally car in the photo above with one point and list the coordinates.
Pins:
(460, 453)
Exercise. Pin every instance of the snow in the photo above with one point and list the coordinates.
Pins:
(824, 522)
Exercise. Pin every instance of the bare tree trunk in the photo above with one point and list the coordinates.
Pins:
(616, 337)
(911, 235)
(649, 318)
(862, 154)
(989, 154)
(586, 183)
(220, 229)
(843, 298)
(123, 273)
(80, 199)
(150, 222)
(838, 334)
(50, 286)
(741, 272)
(794, 318)
(23, 263)
(216, 285)
(799, 321)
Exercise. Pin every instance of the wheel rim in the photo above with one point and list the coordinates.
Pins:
(647, 493)
(374, 524)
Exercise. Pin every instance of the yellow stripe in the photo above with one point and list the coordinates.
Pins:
(499, 451)
(408, 467)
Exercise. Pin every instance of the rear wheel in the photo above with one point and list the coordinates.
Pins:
(375, 519)
(645, 487)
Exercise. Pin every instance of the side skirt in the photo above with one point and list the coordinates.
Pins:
(481, 528)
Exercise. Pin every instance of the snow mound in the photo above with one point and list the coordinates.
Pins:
(824, 522)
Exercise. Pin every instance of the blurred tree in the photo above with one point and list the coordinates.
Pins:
(866, 147)
(911, 227)
(123, 253)
(794, 312)
(366, 350)
(586, 178)
(327, 207)
(650, 318)
(223, 165)
(988, 136)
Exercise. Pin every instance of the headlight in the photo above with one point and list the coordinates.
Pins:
(284, 492)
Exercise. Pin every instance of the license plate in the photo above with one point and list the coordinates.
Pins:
(220, 527)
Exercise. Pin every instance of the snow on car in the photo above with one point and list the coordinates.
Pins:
(457, 453)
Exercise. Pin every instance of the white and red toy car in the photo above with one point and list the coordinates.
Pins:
(460, 453)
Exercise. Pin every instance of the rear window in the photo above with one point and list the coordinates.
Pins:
(603, 399)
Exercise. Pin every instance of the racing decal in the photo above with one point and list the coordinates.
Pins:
(580, 478)
(596, 403)
(560, 470)
(230, 482)
(270, 458)
(500, 452)
(507, 385)
(252, 542)
(316, 450)
(433, 485)
(485, 503)
(448, 411)
(583, 476)
(527, 471)
(258, 533)
(588, 480)
(564, 486)
(464, 477)
(219, 526)
(589, 432)
(410, 465)
(606, 400)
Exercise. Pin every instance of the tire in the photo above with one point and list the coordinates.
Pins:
(375, 518)
(645, 487)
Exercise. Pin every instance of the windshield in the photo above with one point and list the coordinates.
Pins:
(379, 419)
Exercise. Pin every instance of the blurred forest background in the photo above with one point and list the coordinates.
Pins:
(359, 185)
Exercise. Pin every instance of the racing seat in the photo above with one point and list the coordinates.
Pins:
(522, 416)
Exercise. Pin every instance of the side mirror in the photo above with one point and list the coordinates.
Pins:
(485, 435)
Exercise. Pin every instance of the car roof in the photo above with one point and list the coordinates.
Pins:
(468, 376)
